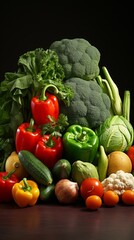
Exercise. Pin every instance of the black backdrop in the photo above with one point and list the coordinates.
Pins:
(108, 25)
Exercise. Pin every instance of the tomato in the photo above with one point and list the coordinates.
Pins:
(91, 186)
(128, 197)
(130, 153)
(93, 202)
(110, 198)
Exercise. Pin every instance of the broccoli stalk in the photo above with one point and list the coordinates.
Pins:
(109, 86)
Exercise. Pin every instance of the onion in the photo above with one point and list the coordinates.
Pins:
(66, 191)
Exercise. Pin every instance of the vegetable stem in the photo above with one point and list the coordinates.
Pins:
(126, 105)
(113, 93)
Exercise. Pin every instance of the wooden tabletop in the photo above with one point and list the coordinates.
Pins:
(54, 221)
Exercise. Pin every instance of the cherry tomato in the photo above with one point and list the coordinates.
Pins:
(93, 202)
(91, 186)
(110, 198)
(128, 197)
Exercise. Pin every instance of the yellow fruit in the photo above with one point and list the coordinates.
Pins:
(118, 160)
(13, 162)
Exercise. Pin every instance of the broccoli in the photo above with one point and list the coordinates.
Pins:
(90, 106)
(77, 57)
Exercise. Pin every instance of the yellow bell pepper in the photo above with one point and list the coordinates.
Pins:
(25, 193)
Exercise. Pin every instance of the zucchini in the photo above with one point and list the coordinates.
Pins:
(37, 169)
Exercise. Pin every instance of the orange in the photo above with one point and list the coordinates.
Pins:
(93, 202)
(110, 198)
(128, 197)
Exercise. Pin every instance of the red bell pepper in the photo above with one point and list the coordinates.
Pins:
(27, 136)
(49, 149)
(130, 153)
(7, 180)
(45, 105)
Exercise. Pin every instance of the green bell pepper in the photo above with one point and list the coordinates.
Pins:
(80, 143)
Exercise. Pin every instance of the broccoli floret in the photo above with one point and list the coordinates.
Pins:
(77, 57)
(90, 106)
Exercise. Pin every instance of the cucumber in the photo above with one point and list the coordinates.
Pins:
(37, 169)
(61, 169)
(47, 193)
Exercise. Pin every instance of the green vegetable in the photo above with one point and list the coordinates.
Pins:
(61, 169)
(102, 163)
(80, 143)
(109, 86)
(78, 58)
(90, 106)
(115, 134)
(36, 69)
(36, 169)
(47, 193)
(82, 170)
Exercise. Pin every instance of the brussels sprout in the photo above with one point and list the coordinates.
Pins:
(82, 170)
(115, 134)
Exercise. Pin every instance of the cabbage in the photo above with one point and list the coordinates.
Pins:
(115, 134)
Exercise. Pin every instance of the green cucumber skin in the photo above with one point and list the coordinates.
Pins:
(47, 193)
(38, 170)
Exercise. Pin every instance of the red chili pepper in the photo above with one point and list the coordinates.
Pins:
(45, 105)
(27, 136)
(49, 149)
(130, 153)
(7, 180)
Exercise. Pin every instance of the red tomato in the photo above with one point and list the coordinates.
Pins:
(91, 186)
(130, 153)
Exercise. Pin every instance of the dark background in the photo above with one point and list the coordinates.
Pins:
(108, 25)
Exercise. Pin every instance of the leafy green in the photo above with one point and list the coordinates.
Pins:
(36, 69)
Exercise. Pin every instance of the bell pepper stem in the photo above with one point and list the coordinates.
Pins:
(50, 143)
(31, 126)
(8, 174)
(82, 137)
(43, 93)
(26, 187)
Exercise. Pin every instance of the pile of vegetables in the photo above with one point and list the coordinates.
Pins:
(62, 120)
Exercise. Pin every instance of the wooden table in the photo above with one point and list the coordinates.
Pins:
(54, 221)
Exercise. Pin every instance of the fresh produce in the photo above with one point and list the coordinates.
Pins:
(7, 180)
(27, 136)
(90, 106)
(35, 70)
(115, 134)
(82, 170)
(13, 163)
(62, 169)
(130, 153)
(25, 193)
(66, 191)
(38, 170)
(49, 149)
(47, 193)
(80, 143)
(118, 182)
(77, 57)
(102, 163)
(118, 160)
(109, 86)
(110, 198)
(127, 197)
(93, 202)
(91, 186)
(45, 105)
